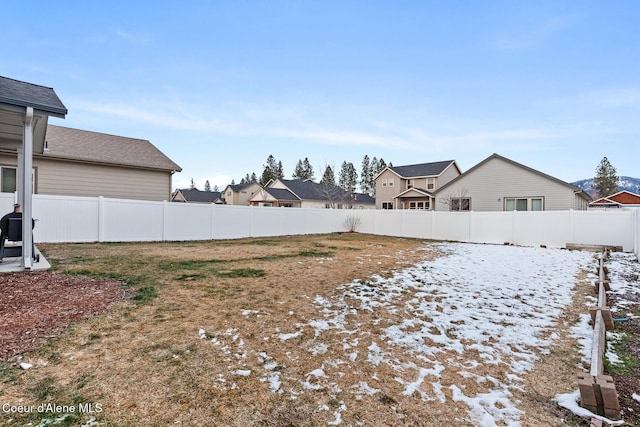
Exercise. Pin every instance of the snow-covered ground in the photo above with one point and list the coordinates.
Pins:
(452, 318)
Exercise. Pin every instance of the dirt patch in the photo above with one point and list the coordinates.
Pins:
(39, 305)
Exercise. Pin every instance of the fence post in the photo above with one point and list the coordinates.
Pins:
(212, 221)
(165, 221)
(572, 236)
(471, 226)
(101, 219)
(433, 223)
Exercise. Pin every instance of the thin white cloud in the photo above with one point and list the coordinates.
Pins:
(131, 38)
(457, 137)
(526, 36)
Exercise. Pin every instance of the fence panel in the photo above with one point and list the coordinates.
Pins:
(601, 227)
(89, 219)
(132, 221)
(231, 222)
(66, 219)
(492, 227)
(636, 213)
(186, 222)
(551, 228)
(388, 222)
(417, 224)
(452, 226)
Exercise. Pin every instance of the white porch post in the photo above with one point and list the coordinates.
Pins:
(26, 190)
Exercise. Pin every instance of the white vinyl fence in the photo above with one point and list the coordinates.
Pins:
(98, 219)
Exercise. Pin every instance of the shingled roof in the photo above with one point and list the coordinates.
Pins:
(23, 94)
(307, 189)
(422, 169)
(197, 196)
(81, 145)
(282, 194)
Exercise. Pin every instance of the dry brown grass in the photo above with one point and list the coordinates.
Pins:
(147, 365)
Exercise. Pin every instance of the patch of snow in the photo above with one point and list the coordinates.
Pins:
(242, 372)
(338, 415)
(25, 365)
(635, 397)
(486, 408)
(284, 337)
(570, 401)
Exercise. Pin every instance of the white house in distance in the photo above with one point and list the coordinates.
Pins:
(299, 193)
(500, 184)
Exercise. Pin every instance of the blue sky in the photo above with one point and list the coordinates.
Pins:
(218, 86)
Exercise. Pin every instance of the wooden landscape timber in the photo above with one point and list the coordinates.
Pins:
(597, 391)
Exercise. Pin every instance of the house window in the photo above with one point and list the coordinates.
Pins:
(410, 183)
(523, 204)
(460, 204)
(9, 179)
(384, 182)
(286, 205)
(390, 182)
(419, 205)
(387, 205)
(431, 183)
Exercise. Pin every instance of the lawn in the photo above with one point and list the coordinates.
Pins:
(342, 329)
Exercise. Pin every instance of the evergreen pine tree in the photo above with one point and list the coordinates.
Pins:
(308, 169)
(348, 177)
(328, 178)
(272, 170)
(365, 175)
(381, 165)
(207, 186)
(605, 183)
(298, 172)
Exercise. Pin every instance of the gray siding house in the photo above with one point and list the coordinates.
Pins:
(77, 162)
(500, 184)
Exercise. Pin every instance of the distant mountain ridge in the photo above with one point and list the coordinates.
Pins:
(624, 183)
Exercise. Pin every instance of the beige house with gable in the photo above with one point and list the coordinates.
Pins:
(500, 184)
(412, 186)
(77, 162)
(240, 194)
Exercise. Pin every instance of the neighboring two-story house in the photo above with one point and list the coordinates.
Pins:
(240, 194)
(412, 186)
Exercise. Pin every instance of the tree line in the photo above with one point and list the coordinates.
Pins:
(348, 177)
